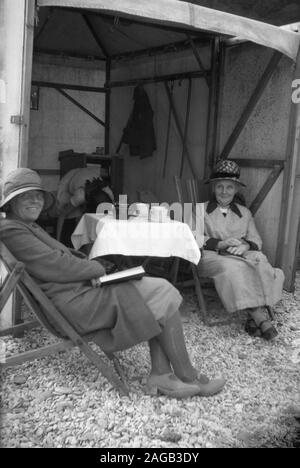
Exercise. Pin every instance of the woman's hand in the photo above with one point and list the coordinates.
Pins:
(229, 242)
(96, 283)
(239, 250)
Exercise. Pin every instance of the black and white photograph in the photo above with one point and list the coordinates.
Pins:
(149, 227)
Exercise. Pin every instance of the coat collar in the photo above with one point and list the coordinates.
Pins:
(212, 205)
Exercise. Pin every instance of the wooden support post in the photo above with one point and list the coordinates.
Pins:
(210, 149)
(66, 53)
(107, 106)
(175, 114)
(168, 134)
(26, 81)
(259, 89)
(84, 109)
(288, 236)
(259, 163)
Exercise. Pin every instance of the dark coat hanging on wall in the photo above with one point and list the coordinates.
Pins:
(139, 131)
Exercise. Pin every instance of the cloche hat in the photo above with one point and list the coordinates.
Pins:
(226, 170)
(20, 181)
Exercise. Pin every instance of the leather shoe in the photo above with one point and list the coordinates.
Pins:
(169, 384)
(213, 387)
(267, 332)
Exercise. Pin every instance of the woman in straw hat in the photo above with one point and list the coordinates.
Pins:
(123, 314)
(243, 277)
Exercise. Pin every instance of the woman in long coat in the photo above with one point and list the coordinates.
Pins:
(122, 315)
(243, 277)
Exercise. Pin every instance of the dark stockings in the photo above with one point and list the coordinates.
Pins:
(169, 348)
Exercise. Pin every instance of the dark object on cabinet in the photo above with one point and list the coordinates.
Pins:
(111, 167)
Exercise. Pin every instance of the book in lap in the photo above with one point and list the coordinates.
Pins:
(124, 275)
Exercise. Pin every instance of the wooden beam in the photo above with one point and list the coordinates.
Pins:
(176, 118)
(271, 179)
(172, 47)
(258, 163)
(89, 24)
(158, 79)
(67, 53)
(50, 84)
(258, 91)
(84, 109)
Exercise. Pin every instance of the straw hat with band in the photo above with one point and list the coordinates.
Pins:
(20, 181)
(226, 170)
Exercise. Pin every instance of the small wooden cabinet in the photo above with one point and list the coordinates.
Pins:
(111, 167)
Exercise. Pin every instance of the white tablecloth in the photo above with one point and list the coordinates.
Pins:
(136, 237)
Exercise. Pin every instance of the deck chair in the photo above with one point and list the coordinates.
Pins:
(49, 316)
(189, 191)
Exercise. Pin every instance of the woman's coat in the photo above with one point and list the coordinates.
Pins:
(119, 313)
(241, 283)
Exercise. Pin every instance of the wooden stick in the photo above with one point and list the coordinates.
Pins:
(273, 176)
(193, 170)
(10, 283)
(84, 109)
(49, 84)
(186, 124)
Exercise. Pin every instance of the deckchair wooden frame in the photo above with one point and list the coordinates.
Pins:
(193, 187)
(43, 308)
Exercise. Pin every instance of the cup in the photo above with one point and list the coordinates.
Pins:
(159, 214)
(141, 210)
